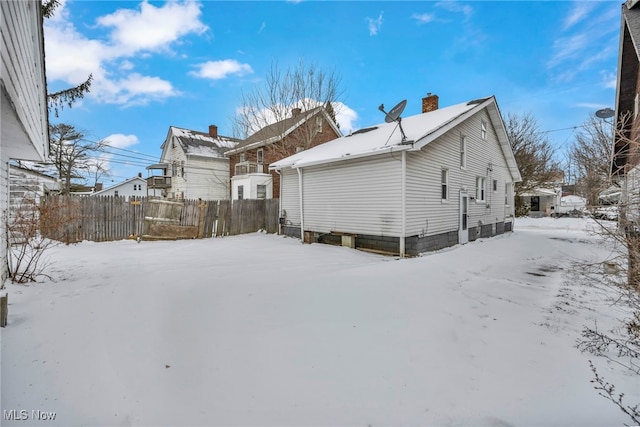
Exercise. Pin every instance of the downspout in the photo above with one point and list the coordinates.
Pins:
(403, 203)
(301, 204)
(280, 226)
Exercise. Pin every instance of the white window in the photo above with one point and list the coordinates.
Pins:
(262, 191)
(242, 158)
(463, 151)
(507, 193)
(483, 129)
(444, 184)
(480, 187)
(260, 155)
(240, 192)
(174, 169)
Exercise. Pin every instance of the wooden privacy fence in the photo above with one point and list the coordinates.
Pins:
(107, 218)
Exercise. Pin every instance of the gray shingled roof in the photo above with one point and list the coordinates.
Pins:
(632, 18)
(278, 129)
(202, 144)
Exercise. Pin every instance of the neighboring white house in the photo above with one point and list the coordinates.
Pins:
(449, 181)
(132, 187)
(192, 165)
(24, 131)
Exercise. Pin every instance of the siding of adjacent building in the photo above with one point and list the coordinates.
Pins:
(24, 133)
(290, 197)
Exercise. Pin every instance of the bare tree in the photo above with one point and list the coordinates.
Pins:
(70, 153)
(299, 90)
(590, 157)
(533, 152)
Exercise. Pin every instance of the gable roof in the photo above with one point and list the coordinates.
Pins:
(420, 130)
(120, 184)
(628, 66)
(279, 130)
(201, 144)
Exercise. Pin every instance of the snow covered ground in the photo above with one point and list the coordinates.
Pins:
(263, 330)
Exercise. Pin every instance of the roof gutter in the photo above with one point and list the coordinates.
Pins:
(399, 148)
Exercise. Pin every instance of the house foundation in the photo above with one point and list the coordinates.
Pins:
(414, 245)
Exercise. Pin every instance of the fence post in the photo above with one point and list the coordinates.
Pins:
(201, 206)
(4, 309)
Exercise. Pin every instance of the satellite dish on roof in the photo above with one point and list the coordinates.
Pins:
(395, 112)
(605, 113)
(394, 116)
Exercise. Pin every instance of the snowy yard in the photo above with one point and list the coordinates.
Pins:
(263, 330)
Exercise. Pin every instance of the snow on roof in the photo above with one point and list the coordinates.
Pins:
(104, 190)
(377, 139)
(202, 144)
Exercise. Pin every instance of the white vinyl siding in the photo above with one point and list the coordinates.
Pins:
(290, 197)
(24, 130)
(357, 196)
(426, 214)
(4, 203)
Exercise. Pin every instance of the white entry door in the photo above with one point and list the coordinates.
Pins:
(463, 230)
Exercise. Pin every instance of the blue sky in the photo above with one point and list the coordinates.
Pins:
(186, 64)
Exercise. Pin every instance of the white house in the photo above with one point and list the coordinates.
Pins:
(433, 180)
(192, 165)
(132, 187)
(24, 132)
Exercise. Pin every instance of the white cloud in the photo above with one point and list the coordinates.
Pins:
(456, 7)
(217, 70)
(609, 80)
(119, 140)
(152, 28)
(134, 89)
(423, 18)
(375, 24)
(71, 56)
(568, 48)
(346, 117)
(579, 12)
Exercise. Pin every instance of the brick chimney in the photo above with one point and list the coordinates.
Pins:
(429, 103)
(296, 112)
(213, 131)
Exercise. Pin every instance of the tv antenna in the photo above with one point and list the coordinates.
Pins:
(394, 116)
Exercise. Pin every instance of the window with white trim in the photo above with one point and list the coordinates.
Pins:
(507, 193)
(444, 184)
(242, 158)
(463, 151)
(261, 191)
(481, 182)
(483, 129)
(240, 192)
(260, 155)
